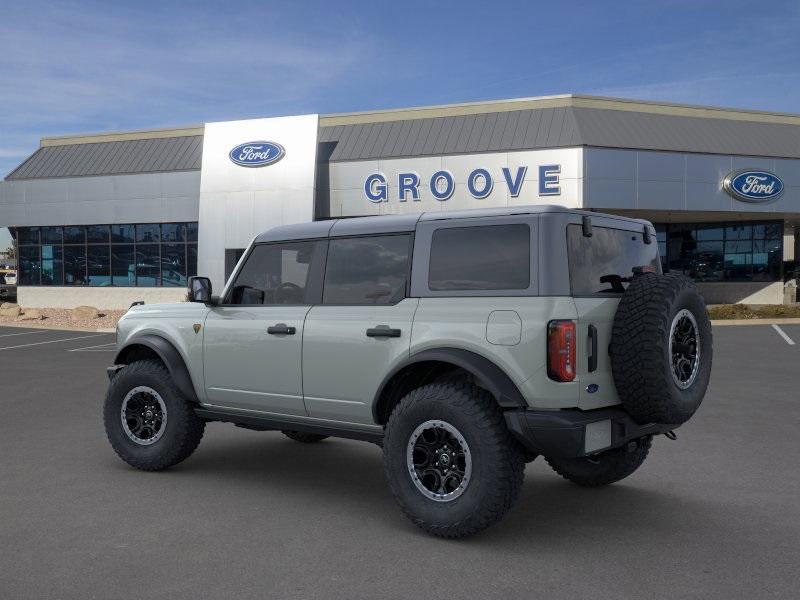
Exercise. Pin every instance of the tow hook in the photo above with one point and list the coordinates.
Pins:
(670, 435)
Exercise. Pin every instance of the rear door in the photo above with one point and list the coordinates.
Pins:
(600, 266)
(361, 329)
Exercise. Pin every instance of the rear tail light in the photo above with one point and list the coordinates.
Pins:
(561, 350)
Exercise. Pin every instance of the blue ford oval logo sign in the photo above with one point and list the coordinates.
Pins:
(753, 186)
(257, 154)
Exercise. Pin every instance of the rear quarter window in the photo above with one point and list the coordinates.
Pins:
(604, 263)
(486, 257)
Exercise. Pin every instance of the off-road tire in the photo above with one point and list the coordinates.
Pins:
(640, 360)
(498, 464)
(604, 468)
(183, 430)
(305, 438)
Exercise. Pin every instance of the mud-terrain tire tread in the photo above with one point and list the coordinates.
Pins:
(642, 379)
(496, 444)
(303, 437)
(612, 465)
(180, 413)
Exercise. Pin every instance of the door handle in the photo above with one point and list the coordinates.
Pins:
(383, 331)
(281, 329)
(592, 348)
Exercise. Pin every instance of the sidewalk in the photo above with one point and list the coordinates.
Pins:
(770, 321)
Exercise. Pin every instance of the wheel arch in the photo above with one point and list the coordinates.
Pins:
(154, 346)
(428, 365)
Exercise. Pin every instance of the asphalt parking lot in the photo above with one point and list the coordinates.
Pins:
(255, 515)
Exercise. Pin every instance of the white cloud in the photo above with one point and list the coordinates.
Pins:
(75, 67)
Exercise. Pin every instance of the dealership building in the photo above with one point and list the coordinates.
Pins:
(109, 218)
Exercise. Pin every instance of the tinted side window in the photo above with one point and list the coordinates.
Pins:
(489, 257)
(367, 270)
(604, 263)
(274, 274)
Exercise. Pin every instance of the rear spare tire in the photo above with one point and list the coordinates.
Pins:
(661, 348)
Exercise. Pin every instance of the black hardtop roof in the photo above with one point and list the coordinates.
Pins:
(377, 224)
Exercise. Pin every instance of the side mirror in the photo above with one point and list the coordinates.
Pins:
(200, 289)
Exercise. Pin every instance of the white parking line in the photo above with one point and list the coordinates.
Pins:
(782, 333)
(83, 337)
(95, 350)
(101, 347)
(24, 333)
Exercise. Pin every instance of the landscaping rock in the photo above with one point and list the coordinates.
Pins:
(83, 313)
(10, 311)
(31, 315)
(8, 305)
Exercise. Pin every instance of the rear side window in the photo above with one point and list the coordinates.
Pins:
(367, 270)
(604, 263)
(489, 257)
(274, 274)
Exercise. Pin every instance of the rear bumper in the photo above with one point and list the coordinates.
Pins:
(571, 433)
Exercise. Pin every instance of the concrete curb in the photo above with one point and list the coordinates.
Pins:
(41, 325)
(773, 321)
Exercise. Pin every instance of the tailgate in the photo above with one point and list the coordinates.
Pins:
(595, 320)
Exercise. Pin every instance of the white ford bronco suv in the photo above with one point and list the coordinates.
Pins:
(465, 343)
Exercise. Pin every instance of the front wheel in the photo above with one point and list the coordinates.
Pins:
(450, 462)
(150, 425)
(603, 468)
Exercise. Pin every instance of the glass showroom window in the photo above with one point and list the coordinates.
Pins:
(745, 251)
(144, 254)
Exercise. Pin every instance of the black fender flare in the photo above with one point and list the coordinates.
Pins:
(171, 358)
(489, 375)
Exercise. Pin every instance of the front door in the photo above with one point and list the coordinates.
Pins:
(361, 329)
(252, 347)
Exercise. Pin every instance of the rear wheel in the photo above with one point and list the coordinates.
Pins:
(305, 438)
(150, 425)
(603, 468)
(451, 464)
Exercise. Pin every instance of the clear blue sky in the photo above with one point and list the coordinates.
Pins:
(73, 67)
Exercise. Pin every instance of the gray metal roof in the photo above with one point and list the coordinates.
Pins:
(648, 131)
(507, 125)
(561, 127)
(512, 130)
(182, 153)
